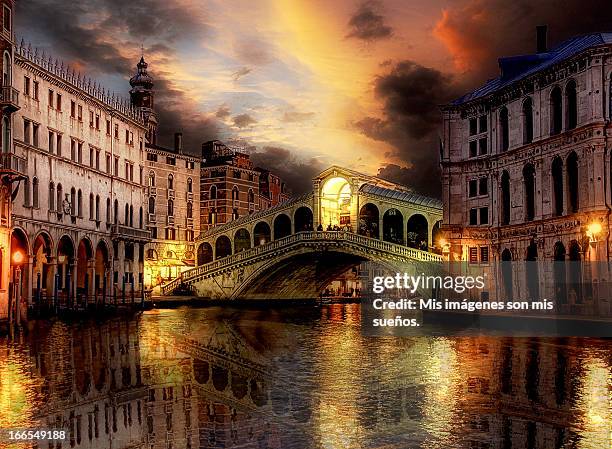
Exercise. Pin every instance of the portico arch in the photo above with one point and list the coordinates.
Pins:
(262, 233)
(303, 219)
(242, 240)
(335, 198)
(393, 226)
(369, 218)
(223, 247)
(282, 226)
(84, 255)
(417, 232)
(65, 261)
(102, 262)
(205, 253)
(42, 250)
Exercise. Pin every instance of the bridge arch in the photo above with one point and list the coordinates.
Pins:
(242, 240)
(417, 230)
(393, 226)
(205, 253)
(282, 226)
(369, 221)
(335, 201)
(262, 233)
(303, 219)
(223, 247)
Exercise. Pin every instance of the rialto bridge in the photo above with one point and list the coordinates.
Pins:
(296, 248)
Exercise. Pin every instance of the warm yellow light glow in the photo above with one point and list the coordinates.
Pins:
(594, 229)
(17, 257)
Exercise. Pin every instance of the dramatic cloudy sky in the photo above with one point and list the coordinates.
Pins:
(305, 83)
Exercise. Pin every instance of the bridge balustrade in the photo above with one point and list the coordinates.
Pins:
(305, 236)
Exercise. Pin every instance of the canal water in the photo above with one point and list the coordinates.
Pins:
(299, 378)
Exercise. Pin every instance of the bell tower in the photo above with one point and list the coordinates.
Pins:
(142, 96)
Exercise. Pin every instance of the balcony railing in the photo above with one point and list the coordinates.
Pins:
(133, 233)
(17, 164)
(9, 98)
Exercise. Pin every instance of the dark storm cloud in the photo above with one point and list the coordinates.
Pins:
(296, 173)
(478, 32)
(411, 95)
(86, 34)
(368, 24)
(243, 120)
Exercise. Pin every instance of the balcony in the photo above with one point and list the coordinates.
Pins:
(152, 218)
(9, 98)
(16, 164)
(126, 232)
(170, 194)
(170, 221)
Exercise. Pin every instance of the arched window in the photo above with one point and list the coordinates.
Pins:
(116, 212)
(506, 267)
(108, 210)
(6, 68)
(504, 132)
(26, 192)
(6, 135)
(170, 208)
(189, 210)
(131, 216)
(151, 179)
(529, 184)
(213, 192)
(97, 207)
(151, 204)
(91, 206)
(556, 109)
(51, 196)
(35, 193)
(60, 198)
(572, 182)
(251, 196)
(557, 180)
(212, 217)
(527, 120)
(126, 217)
(505, 203)
(235, 194)
(571, 101)
(80, 204)
(189, 185)
(170, 182)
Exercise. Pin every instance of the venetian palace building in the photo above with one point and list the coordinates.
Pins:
(527, 159)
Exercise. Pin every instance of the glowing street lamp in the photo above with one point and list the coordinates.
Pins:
(17, 258)
(593, 231)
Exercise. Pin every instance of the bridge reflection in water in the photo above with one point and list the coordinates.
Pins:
(301, 378)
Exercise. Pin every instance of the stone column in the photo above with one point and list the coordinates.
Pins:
(28, 272)
(91, 270)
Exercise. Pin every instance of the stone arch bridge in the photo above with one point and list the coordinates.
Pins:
(296, 248)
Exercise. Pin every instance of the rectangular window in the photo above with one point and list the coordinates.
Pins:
(473, 127)
(482, 124)
(473, 188)
(73, 150)
(7, 19)
(26, 131)
(484, 254)
(473, 254)
(482, 146)
(97, 159)
(131, 140)
(484, 215)
(127, 170)
(35, 134)
(36, 90)
(108, 127)
(116, 166)
(153, 232)
(58, 102)
(116, 131)
(58, 147)
(80, 115)
(51, 142)
(26, 85)
(51, 97)
(170, 160)
(91, 157)
(483, 186)
(473, 148)
(72, 108)
(97, 122)
(91, 119)
(473, 217)
(108, 163)
(132, 172)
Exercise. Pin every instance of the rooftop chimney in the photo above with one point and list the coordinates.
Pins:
(541, 32)
(178, 143)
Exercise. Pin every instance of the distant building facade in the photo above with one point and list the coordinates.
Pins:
(527, 159)
(232, 187)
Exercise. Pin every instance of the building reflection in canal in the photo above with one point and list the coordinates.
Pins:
(300, 378)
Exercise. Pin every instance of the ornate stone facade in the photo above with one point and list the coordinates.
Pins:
(526, 160)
